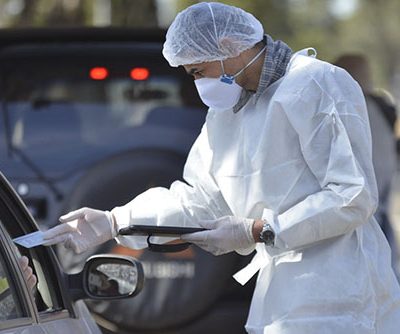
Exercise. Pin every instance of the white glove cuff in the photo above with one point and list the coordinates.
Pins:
(113, 225)
(251, 244)
(249, 230)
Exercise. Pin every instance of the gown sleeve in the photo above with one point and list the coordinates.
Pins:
(330, 117)
(183, 204)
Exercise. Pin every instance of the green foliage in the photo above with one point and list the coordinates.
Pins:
(373, 28)
(135, 13)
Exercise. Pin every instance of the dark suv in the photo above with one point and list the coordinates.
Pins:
(93, 117)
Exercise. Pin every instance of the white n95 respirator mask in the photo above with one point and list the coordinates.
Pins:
(222, 93)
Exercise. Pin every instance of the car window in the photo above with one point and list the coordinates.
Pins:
(14, 216)
(10, 307)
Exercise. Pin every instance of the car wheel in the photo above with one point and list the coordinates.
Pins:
(180, 286)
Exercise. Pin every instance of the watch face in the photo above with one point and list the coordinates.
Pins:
(267, 235)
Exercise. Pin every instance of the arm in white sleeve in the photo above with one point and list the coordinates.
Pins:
(335, 141)
(183, 204)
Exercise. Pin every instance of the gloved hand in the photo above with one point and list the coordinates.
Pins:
(28, 272)
(82, 229)
(224, 235)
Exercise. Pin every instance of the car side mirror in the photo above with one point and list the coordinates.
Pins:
(107, 277)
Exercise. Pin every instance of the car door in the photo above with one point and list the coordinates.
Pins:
(17, 308)
(48, 308)
(16, 312)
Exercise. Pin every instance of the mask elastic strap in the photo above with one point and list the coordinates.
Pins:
(251, 62)
(229, 78)
(222, 67)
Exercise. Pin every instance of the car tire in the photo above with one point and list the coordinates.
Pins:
(179, 287)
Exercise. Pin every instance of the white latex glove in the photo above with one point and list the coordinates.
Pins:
(224, 235)
(28, 272)
(82, 229)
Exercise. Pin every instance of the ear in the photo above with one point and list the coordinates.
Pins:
(227, 45)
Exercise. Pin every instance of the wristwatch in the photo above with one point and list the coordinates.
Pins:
(267, 234)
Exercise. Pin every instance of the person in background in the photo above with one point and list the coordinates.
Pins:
(283, 165)
(382, 117)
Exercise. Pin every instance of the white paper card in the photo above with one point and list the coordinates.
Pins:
(30, 240)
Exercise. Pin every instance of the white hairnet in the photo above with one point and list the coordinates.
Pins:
(210, 31)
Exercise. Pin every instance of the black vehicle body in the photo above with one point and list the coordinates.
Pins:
(133, 134)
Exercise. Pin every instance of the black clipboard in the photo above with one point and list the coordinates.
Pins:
(161, 231)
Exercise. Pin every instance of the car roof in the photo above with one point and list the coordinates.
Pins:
(16, 36)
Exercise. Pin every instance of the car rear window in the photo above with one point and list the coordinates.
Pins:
(80, 105)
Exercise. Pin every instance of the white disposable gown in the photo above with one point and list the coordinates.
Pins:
(300, 157)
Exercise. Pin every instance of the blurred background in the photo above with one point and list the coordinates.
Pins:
(331, 26)
(49, 83)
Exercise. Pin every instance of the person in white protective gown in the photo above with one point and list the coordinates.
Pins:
(282, 165)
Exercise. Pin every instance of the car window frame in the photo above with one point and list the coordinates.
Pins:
(20, 213)
(21, 290)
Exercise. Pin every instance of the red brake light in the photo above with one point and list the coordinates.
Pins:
(140, 73)
(98, 73)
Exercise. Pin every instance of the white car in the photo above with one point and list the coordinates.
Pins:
(54, 305)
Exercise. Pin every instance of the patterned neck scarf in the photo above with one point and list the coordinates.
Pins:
(277, 57)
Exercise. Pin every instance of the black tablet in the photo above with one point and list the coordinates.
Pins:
(167, 231)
